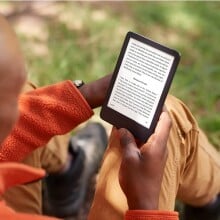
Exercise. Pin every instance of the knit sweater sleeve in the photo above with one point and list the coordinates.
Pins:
(150, 215)
(44, 112)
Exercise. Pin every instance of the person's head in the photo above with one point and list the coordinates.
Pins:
(12, 77)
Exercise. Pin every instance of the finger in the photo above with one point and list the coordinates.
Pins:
(162, 131)
(128, 144)
(164, 125)
(164, 108)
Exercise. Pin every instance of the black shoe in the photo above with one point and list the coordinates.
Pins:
(208, 212)
(66, 192)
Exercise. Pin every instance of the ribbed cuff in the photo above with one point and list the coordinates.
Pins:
(151, 215)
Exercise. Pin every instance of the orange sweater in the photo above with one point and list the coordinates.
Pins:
(44, 113)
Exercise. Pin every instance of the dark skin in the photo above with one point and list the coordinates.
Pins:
(95, 92)
(142, 167)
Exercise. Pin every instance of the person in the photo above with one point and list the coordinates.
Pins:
(55, 110)
(191, 160)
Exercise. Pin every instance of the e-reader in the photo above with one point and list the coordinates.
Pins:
(139, 85)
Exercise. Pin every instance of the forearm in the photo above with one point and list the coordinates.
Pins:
(44, 112)
(95, 92)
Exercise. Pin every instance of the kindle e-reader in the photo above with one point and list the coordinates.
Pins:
(139, 85)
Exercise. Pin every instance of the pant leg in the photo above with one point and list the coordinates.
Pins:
(185, 141)
(200, 181)
(54, 155)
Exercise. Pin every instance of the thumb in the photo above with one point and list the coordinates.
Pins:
(127, 142)
(163, 128)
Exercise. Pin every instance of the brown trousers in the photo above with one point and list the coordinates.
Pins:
(192, 171)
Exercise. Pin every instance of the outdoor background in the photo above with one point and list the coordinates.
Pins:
(82, 40)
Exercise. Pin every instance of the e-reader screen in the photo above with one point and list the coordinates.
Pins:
(141, 81)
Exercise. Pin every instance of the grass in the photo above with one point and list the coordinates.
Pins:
(83, 40)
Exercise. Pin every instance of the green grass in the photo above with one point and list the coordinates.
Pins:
(84, 39)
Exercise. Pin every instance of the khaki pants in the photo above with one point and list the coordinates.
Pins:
(192, 171)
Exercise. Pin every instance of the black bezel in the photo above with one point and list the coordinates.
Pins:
(120, 121)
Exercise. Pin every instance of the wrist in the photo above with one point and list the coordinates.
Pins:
(92, 94)
(86, 90)
(95, 92)
(143, 204)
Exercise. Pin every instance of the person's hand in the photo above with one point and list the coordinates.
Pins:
(141, 169)
(95, 92)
